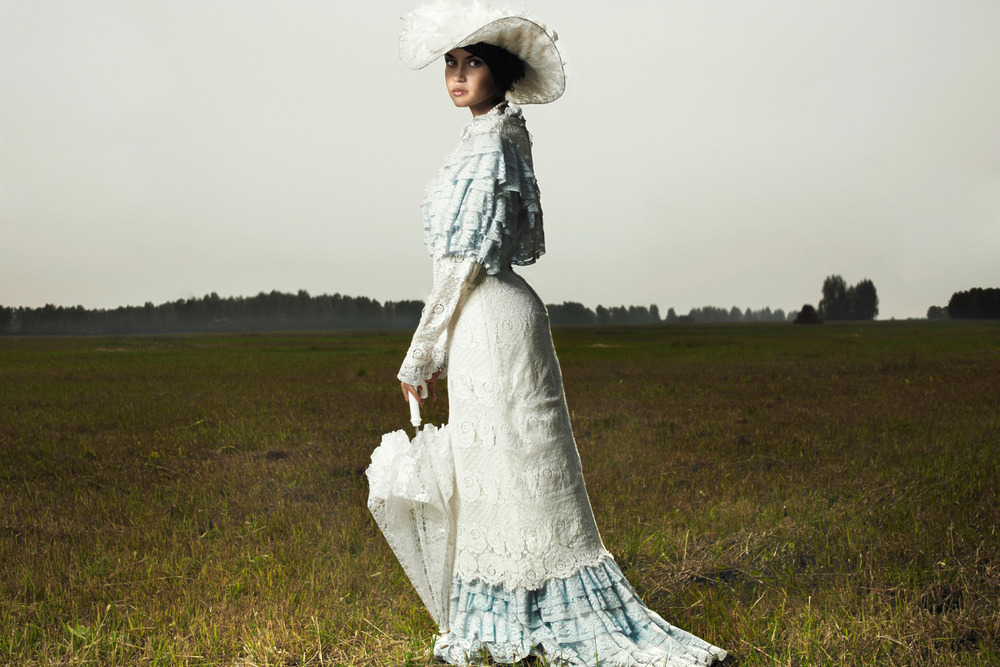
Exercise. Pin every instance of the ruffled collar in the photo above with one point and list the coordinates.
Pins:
(505, 108)
(496, 115)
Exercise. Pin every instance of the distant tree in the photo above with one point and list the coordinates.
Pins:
(735, 315)
(570, 313)
(619, 315)
(840, 302)
(977, 303)
(671, 316)
(708, 314)
(654, 313)
(603, 315)
(638, 315)
(937, 313)
(808, 315)
(864, 301)
(834, 304)
(960, 304)
(403, 314)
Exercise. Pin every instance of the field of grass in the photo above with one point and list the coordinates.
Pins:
(797, 495)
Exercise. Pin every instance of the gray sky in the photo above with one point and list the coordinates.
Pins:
(706, 152)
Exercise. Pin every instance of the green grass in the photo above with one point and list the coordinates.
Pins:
(798, 495)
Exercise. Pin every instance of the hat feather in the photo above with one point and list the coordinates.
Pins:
(439, 24)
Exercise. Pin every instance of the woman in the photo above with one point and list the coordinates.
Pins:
(531, 575)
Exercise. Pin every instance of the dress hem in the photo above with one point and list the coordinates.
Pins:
(591, 617)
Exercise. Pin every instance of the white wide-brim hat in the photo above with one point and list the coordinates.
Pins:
(433, 29)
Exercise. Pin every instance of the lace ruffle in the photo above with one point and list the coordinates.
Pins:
(593, 615)
(411, 484)
(484, 202)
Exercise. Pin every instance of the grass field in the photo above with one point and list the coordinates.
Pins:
(798, 495)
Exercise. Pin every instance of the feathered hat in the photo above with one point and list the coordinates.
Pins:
(433, 29)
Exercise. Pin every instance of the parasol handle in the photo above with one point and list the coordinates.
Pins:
(414, 411)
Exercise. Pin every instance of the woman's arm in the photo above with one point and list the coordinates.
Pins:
(426, 360)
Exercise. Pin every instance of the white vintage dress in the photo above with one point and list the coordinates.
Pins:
(531, 575)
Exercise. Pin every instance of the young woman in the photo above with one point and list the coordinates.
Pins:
(531, 575)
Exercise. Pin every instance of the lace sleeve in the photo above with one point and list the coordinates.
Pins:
(454, 278)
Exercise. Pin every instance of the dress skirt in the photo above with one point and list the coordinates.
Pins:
(531, 574)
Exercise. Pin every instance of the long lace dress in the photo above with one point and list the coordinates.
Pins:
(531, 575)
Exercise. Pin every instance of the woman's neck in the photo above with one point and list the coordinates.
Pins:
(486, 108)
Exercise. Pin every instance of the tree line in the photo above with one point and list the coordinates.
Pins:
(273, 311)
(280, 311)
(975, 303)
(571, 313)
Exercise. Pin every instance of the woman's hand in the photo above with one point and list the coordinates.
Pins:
(410, 389)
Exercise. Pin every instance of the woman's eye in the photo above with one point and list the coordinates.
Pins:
(475, 63)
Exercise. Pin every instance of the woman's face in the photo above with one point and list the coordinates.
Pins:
(469, 81)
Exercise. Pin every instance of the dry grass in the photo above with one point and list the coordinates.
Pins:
(800, 496)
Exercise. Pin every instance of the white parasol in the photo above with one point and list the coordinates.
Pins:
(410, 487)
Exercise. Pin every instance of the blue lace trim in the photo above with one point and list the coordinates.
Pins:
(485, 203)
(593, 617)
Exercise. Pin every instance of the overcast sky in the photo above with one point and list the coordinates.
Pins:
(706, 152)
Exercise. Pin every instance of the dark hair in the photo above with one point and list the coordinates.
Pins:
(506, 68)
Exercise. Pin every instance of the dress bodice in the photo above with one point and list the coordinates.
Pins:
(484, 202)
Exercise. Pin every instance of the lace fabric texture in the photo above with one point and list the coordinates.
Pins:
(410, 487)
(454, 279)
(530, 569)
(593, 615)
(484, 202)
(531, 574)
(441, 25)
(522, 511)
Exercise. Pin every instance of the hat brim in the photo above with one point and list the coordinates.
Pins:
(544, 75)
